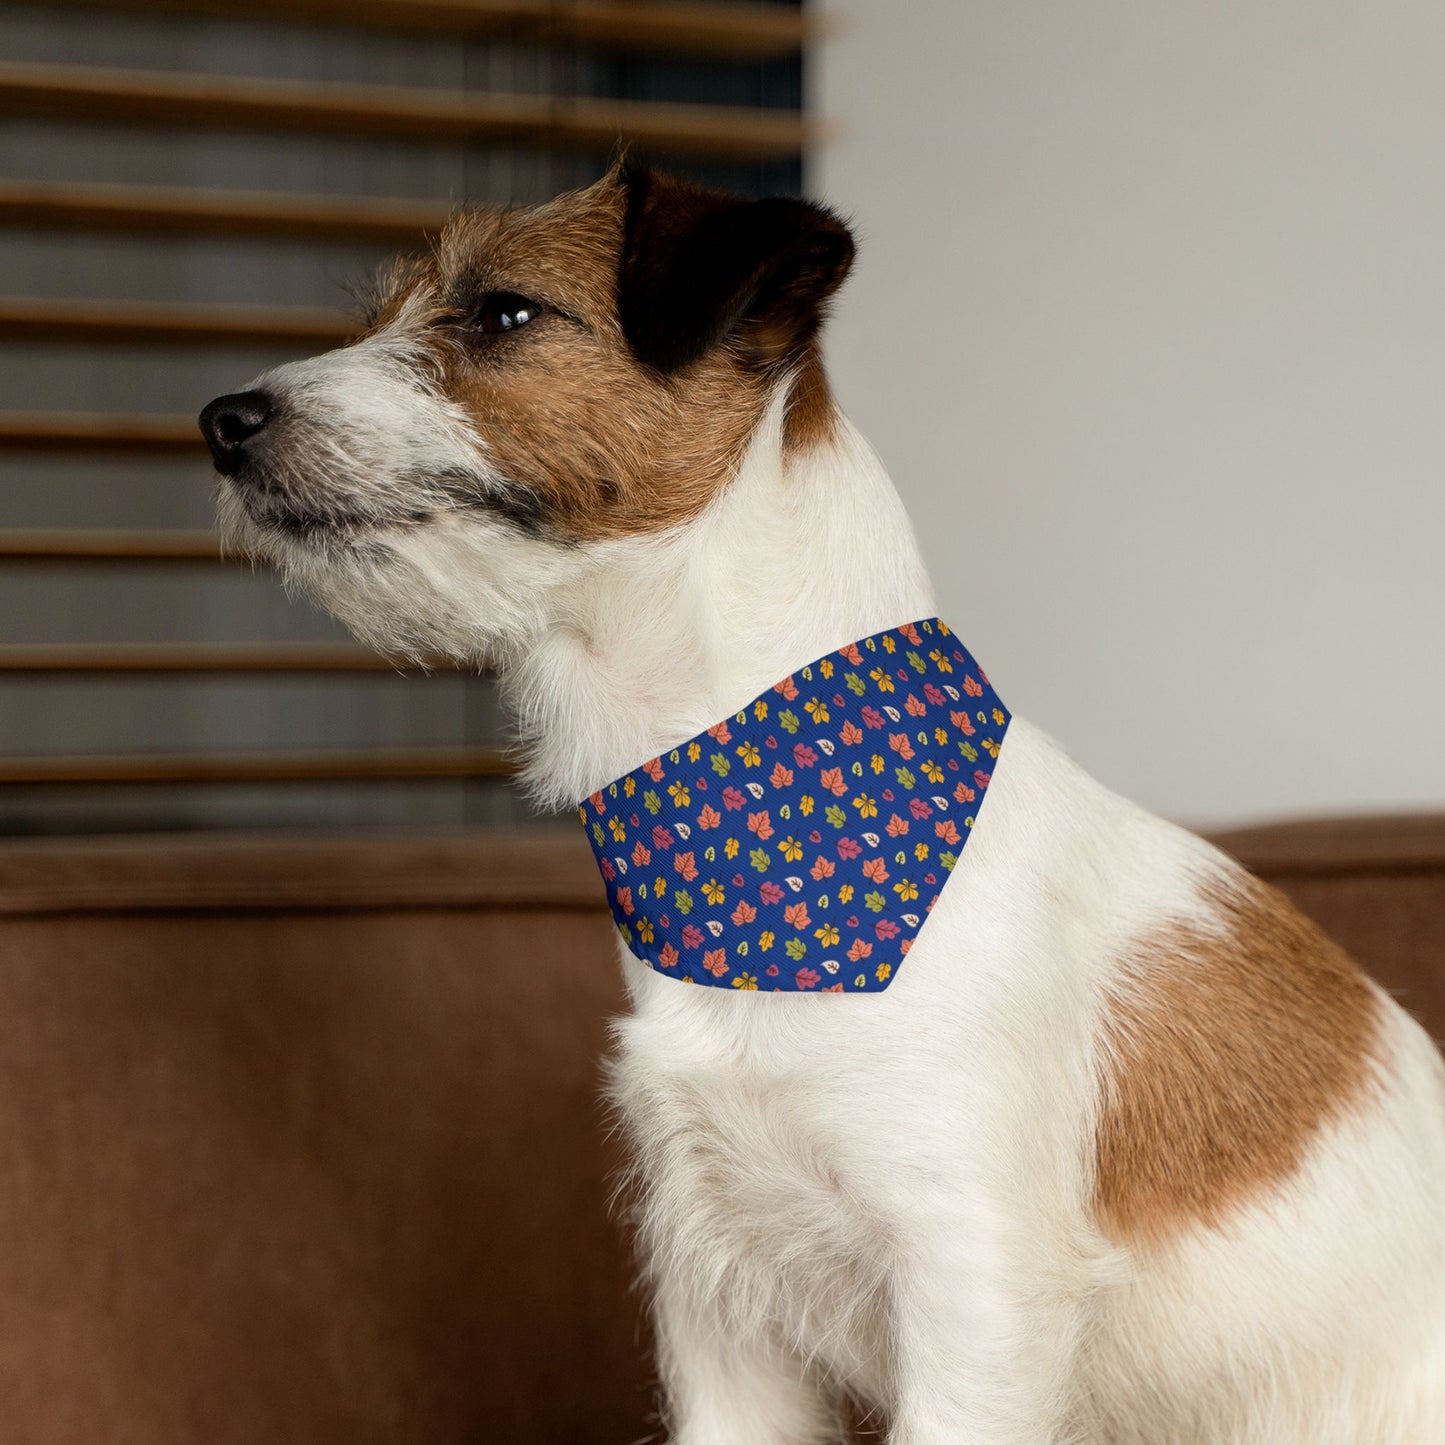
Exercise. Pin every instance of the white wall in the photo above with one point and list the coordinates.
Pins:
(1149, 324)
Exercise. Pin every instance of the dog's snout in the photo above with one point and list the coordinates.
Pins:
(229, 422)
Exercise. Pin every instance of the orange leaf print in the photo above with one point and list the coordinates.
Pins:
(642, 854)
(781, 777)
(914, 706)
(797, 915)
(900, 745)
(897, 826)
(972, 687)
(668, 956)
(685, 865)
(823, 868)
(859, 950)
(962, 722)
(709, 817)
(945, 830)
(832, 780)
(851, 734)
(852, 654)
(715, 960)
(653, 769)
(787, 687)
(875, 869)
(744, 913)
(721, 732)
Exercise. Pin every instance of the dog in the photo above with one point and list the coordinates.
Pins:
(1128, 1152)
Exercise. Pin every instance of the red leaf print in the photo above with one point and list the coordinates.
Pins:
(760, 824)
(721, 732)
(744, 913)
(709, 817)
(624, 900)
(822, 869)
(807, 978)
(851, 733)
(686, 865)
(873, 717)
(803, 755)
(859, 950)
(781, 777)
(797, 915)
(832, 780)
(886, 928)
(972, 688)
(945, 830)
(919, 808)
(669, 956)
(933, 694)
(982, 778)
(605, 867)
(876, 869)
(964, 794)
(733, 799)
(715, 960)
(787, 687)
(770, 892)
(691, 935)
(642, 854)
(900, 745)
(849, 848)
(772, 970)
(897, 826)
(653, 768)
(913, 706)
(661, 837)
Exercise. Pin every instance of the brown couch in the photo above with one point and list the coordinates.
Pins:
(302, 1141)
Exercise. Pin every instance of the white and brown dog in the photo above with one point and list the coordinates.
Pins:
(1129, 1153)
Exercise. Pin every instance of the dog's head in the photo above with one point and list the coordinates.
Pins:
(544, 383)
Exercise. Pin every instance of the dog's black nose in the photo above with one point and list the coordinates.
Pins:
(229, 422)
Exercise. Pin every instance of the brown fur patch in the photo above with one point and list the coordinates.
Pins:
(1227, 1053)
(812, 415)
(605, 445)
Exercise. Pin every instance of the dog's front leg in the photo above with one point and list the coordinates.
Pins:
(985, 1337)
(720, 1388)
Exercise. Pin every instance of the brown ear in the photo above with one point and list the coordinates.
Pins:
(699, 266)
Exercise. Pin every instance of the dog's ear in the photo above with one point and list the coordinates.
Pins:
(700, 266)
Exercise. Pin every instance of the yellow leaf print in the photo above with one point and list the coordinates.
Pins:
(679, 794)
(998, 716)
(940, 736)
(618, 831)
(816, 710)
(884, 971)
(826, 667)
(827, 935)
(906, 890)
(888, 643)
(883, 678)
(713, 891)
(990, 746)
(791, 850)
(760, 709)
(865, 805)
(746, 980)
(845, 893)
(920, 851)
(630, 786)
(730, 848)
(644, 929)
(931, 771)
(659, 887)
(877, 764)
(940, 661)
(805, 804)
(765, 939)
(694, 752)
(750, 755)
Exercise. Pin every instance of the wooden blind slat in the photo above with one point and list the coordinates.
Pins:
(171, 323)
(172, 211)
(755, 32)
(219, 102)
(82, 544)
(185, 657)
(77, 431)
(271, 766)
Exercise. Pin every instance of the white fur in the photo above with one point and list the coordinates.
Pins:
(889, 1194)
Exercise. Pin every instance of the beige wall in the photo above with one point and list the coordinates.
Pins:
(1149, 324)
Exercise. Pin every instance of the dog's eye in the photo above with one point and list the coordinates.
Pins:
(504, 311)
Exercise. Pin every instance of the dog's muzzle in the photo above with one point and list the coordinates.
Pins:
(231, 423)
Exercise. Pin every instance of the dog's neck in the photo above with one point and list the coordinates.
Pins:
(803, 553)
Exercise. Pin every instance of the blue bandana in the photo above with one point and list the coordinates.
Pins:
(801, 844)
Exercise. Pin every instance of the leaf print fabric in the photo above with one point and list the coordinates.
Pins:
(799, 845)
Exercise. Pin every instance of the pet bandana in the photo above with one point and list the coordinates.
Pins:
(800, 844)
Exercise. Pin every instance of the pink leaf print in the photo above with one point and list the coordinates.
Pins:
(781, 777)
(876, 869)
(691, 935)
(770, 893)
(911, 633)
(733, 799)
(597, 804)
(933, 694)
(964, 794)
(721, 732)
(919, 808)
(962, 722)
(900, 745)
(851, 734)
(744, 913)
(653, 768)
(886, 928)
(760, 824)
(607, 870)
(822, 869)
(913, 706)
(797, 915)
(859, 950)
(803, 755)
(715, 960)
(832, 780)
(787, 687)
(709, 817)
(972, 687)
(852, 654)
(661, 837)
(945, 830)
(873, 717)
(897, 826)
(669, 956)
(849, 847)
(807, 978)
(982, 778)
(624, 900)
(685, 864)
(642, 854)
